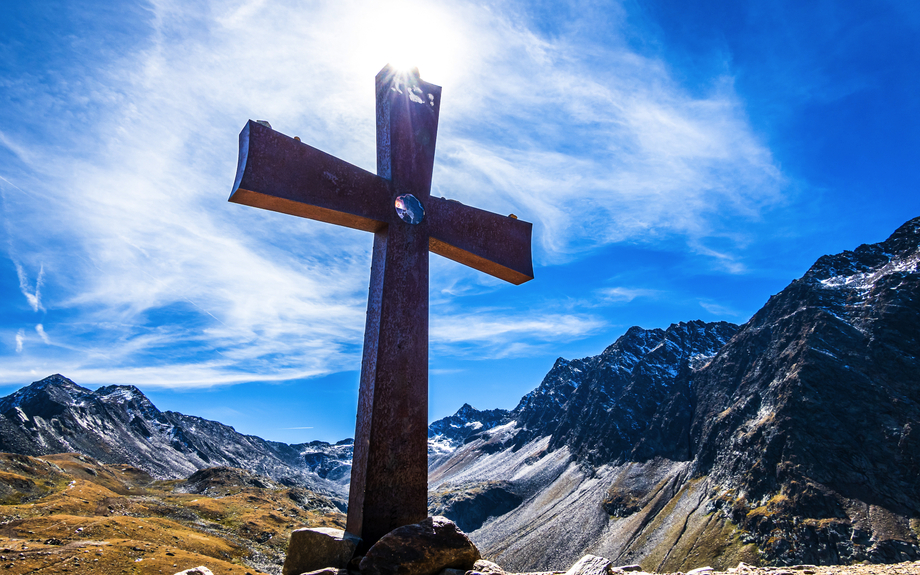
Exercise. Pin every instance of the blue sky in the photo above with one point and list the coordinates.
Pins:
(679, 161)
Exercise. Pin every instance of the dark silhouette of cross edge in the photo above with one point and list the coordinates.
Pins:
(389, 479)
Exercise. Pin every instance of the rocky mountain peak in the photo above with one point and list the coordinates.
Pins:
(129, 398)
(628, 402)
(816, 400)
(119, 424)
(44, 395)
(626, 351)
(445, 434)
(56, 379)
(52, 382)
(466, 410)
(557, 384)
(902, 246)
(906, 238)
(599, 406)
(121, 393)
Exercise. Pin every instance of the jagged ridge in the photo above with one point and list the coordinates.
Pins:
(118, 424)
(795, 442)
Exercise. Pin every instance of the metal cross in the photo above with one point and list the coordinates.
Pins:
(389, 479)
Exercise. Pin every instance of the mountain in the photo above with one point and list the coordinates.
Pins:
(815, 410)
(117, 424)
(445, 435)
(792, 439)
(621, 391)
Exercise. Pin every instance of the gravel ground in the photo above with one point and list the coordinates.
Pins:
(906, 568)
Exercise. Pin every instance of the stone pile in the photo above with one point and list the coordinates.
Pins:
(436, 546)
(426, 548)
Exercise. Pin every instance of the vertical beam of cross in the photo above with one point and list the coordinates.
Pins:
(389, 484)
(389, 469)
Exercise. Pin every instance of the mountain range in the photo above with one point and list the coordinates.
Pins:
(118, 424)
(794, 438)
(794, 442)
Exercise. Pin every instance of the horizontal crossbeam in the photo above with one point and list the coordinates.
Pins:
(494, 244)
(278, 173)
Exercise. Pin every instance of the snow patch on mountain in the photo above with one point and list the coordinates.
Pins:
(866, 280)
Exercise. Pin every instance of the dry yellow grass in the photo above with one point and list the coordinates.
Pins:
(68, 514)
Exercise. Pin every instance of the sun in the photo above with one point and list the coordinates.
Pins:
(412, 34)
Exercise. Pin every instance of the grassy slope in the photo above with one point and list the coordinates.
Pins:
(67, 513)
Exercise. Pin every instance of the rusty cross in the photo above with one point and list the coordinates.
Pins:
(275, 172)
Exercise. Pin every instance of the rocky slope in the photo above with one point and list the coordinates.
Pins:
(813, 412)
(119, 425)
(794, 442)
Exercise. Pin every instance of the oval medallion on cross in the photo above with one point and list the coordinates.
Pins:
(409, 209)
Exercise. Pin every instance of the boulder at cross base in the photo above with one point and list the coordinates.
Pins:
(317, 548)
(424, 548)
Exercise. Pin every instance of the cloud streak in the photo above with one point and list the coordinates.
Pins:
(32, 294)
(621, 294)
(493, 333)
(40, 330)
(149, 276)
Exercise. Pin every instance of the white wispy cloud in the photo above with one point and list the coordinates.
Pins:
(32, 294)
(625, 294)
(497, 333)
(40, 329)
(9, 183)
(157, 280)
(651, 160)
(24, 153)
(20, 338)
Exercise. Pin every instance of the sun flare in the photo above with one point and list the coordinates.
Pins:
(411, 34)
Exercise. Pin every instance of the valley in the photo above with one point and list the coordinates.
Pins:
(789, 440)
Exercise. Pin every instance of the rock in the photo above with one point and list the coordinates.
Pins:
(424, 548)
(629, 568)
(196, 571)
(486, 568)
(327, 571)
(700, 571)
(450, 571)
(589, 565)
(318, 548)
